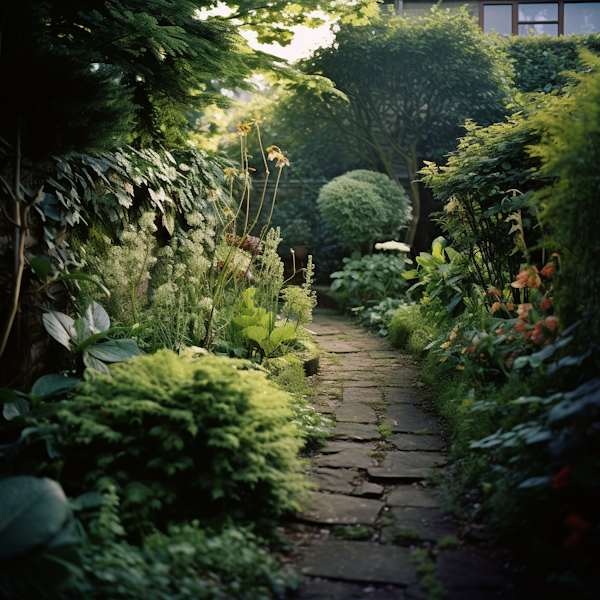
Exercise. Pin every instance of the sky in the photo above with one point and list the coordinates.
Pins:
(305, 39)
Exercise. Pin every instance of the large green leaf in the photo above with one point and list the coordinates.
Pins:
(84, 277)
(34, 513)
(53, 384)
(96, 318)
(114, 350)
(282, 334)
(60, 327)
(93, 363)
(18, 408)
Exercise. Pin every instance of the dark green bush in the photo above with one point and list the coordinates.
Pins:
(363, 207)
(539, 60)
(200, 438)
(187, 563)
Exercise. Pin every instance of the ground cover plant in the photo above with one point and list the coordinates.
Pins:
(513, 366)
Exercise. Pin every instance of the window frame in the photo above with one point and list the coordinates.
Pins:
(515, 12)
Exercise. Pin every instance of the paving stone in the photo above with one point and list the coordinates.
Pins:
(406, 418)
(359, 561)
(429, 523)
(472, 594)
(368, 490)
(334, 344)
(355, 431)
(337, 446)
(362, 383)
(410, 441)
(334, 480)
(346, 459)
(355, 413)
(402, 395)
(468, 569)
(407, 465)
(410, 495)
(404, 376)
(384, 354)
(325, 589)
(339, 509)
(351, 375)
(360, 362)
(323, 330)
(371, 395)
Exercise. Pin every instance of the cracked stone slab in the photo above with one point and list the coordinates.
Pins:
(347, 459)
(334, 480)
(334, 344)
(368, 489)
(407, 465)
(325, 589)
(384, 354)
(409, 495)
(355, 413)
(359, 561)
(410, 441)
(374, 383)
(337, 509)
(429, 523)
(355, 431)
(323, 330)
(402, 395)
(351, 375)
(468, 569)
(353, 395)
(337, 446)
(351, 362)
(406, 418)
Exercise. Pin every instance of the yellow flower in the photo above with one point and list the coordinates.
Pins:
(275, 154)
(460, 368)
(453, 336)
(444, 359)
(446, 345)
(244, 128)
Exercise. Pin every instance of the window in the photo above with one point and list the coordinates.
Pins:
(556, 18)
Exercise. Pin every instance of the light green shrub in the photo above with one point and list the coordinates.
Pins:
(363, 207)
(410, 330)
(183, 438)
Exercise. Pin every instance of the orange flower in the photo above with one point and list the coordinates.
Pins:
(537, 335)
(527, 278)
(510, 307)
(520, 325)
(460, 368)
(524, 309)
(546, 303)
(244, 128)
(275, 154)
(551, 323)
(548, 270)
(495, 292)
(496, 306)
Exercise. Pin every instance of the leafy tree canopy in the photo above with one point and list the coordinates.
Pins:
(409, 84)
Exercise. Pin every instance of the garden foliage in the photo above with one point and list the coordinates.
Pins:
(182, 437)
(514, 371)
(364, 207)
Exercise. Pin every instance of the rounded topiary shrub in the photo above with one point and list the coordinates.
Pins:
(184, 438)
(364, 207)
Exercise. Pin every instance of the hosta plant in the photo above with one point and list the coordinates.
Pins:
(85, 335)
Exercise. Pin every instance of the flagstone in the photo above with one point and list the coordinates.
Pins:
(409, 495)
(410, 441)
(406, 418)
(347, 458)
(359, 561)
(407, 465)
(336, 509)
(355, 431)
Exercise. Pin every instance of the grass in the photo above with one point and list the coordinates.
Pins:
(352, 532)
(385, 430)
(406, 537)
(448, 542)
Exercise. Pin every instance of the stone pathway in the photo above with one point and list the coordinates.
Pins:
(374, 506)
